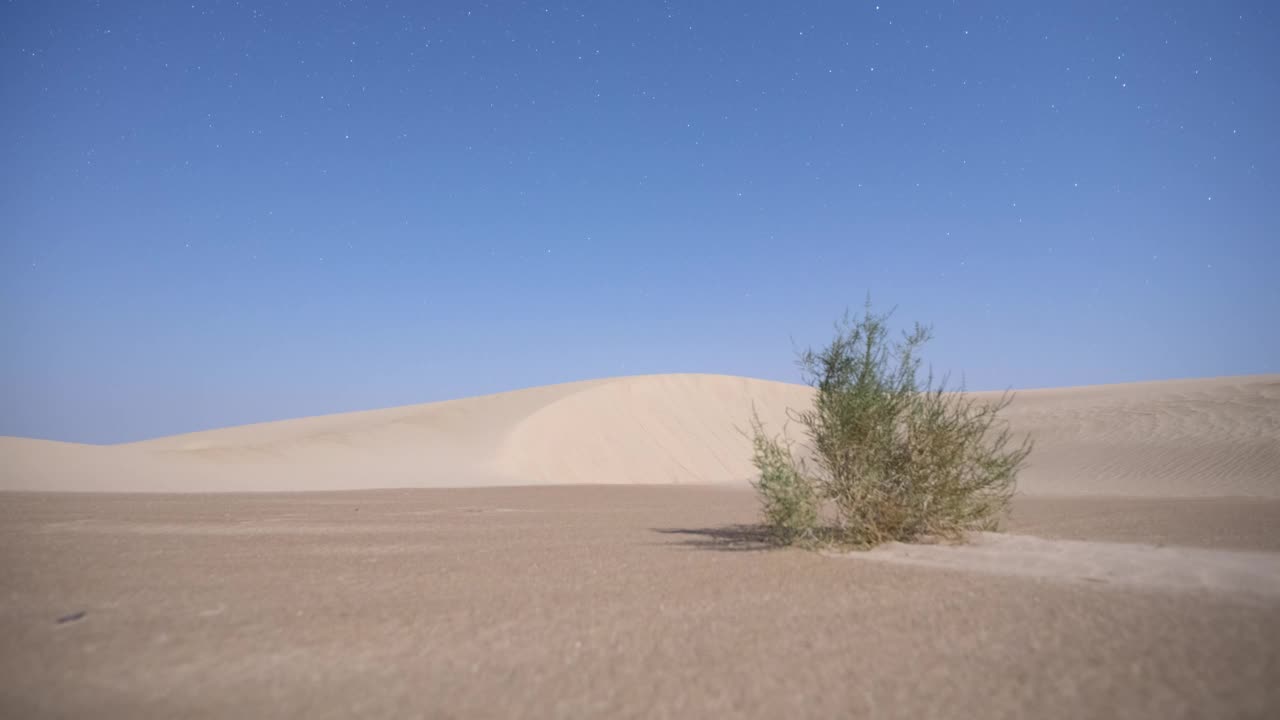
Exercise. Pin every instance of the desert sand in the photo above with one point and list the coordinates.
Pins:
(468, 560)
(1186, 438)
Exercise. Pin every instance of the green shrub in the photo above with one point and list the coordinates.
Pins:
(788, 497)
(893, 457)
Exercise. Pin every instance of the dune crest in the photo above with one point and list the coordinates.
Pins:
(1183, 438)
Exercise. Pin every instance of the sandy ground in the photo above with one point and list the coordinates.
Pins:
(598, 601)
(1140, 576)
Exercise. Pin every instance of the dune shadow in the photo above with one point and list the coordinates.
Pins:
(727, 538)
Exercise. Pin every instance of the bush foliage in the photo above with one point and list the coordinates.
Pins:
(890, 456)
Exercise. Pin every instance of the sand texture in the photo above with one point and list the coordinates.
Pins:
(1185, 438)
(604, 602)
(592, 550)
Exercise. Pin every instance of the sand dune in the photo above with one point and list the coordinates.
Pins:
(1178, 438)
(1185, 438)
(630, 601)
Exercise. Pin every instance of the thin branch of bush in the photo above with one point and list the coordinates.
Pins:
(888, 457)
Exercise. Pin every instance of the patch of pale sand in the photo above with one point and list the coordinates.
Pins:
(1179, 438)
(1231, 572)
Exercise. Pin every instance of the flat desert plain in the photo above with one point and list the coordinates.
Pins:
(590, 550)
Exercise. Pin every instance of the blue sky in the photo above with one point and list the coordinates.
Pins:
(217, 212)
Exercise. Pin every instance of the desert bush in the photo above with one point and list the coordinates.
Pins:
(891, 456)
(788, 498)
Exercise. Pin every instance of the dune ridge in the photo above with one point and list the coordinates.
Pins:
(1178, 438)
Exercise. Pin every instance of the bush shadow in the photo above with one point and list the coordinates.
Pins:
(727, 538)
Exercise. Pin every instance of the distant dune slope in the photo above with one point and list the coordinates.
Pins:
(1181, 438)
(1218, 436)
